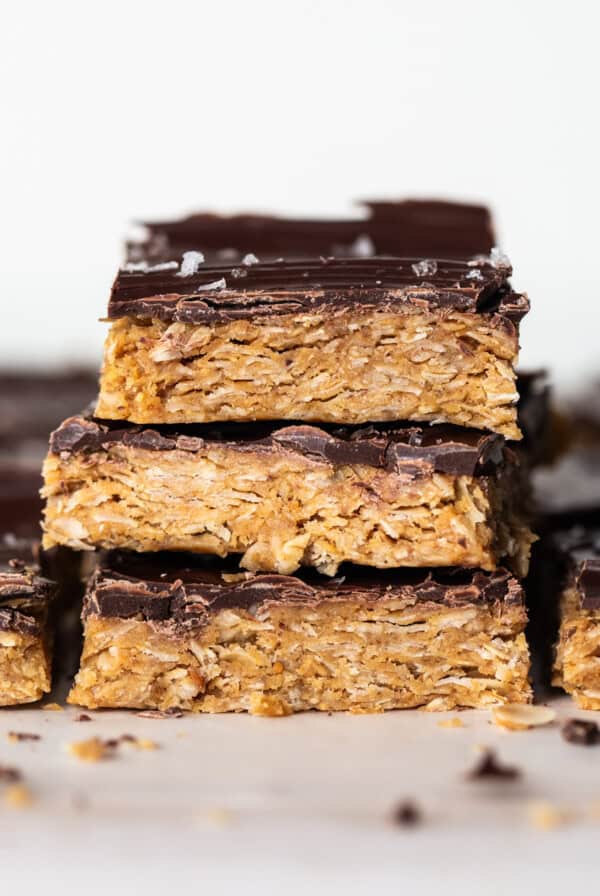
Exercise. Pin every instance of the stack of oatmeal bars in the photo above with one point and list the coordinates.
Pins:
(305, 475)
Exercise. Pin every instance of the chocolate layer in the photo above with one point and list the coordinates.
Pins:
(184, 589)
(24, 598)
(579, 556)
(20, 502)
(32, 404)
(413, 450)
(409, 227)
(215, 293)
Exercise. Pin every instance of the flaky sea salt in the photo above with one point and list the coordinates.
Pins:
(216, 284)
(250, 259)
(426, 267)
(142, 267)
(238, 273)
(190, 262)
(499, 259)
(474, 274)
(134, 267)
(363, 246)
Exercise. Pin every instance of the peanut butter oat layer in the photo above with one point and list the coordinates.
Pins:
(159, 635)
(25, 642)
(577, 662)
(283, 496)
(334, 340)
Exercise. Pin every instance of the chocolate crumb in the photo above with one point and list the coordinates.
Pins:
(83, 717)
(160, 714)
(581, 731)
(22, 735)
(407, 814)
(9, 775)
(489, 767)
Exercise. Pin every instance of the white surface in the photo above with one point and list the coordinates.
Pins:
(282, 805)
(141, 109)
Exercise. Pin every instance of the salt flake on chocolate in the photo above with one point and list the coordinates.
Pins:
(133, 267)
(474, 274)
(426, 267)
(250, 259)
(216, 284)
(363, 246)
(499, 259)
(190, 262)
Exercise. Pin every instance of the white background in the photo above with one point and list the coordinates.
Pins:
(113, 111)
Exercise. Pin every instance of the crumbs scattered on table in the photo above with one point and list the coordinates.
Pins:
(94, 749)
(581, 731)
(453, 722)
(83, 717)
(217, 817)
(9, 774)
(18, 796)
(546, 816)
(160, 714)
(16, 736)
(521, 716)
(53, 707)
(488, 766)
(407, 814)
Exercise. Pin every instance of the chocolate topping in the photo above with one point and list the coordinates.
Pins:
(410, 227)
(579, 553)
(24, 598)
(185, 589)
(218, 293)
(32, 404)
(407, 449)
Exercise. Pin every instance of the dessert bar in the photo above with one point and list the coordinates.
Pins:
(164, 632)
(337, 340)
(284, 496)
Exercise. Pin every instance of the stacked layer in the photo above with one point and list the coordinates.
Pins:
(35, 612)
(257, 411)
(25, 631)
(566, 577)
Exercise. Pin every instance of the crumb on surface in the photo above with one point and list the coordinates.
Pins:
(53, 707)
(546, 816)
(218, 817)
(488, 766)
(9, 774)
(83, 717)
(18, 796)
(584, 732)
(16, 736)
(521, 716)
(92, 750)
(453, 722)
(407, 814)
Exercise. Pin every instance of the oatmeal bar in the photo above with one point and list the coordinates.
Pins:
(166, 632)
(423, 227)
(334, 340)
(577, 666)
(283, 496)
(25, 639)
